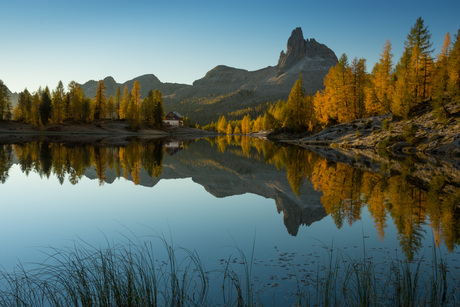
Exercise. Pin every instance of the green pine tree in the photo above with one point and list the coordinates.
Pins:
(45, 107)
(5, 103)
(158, 109)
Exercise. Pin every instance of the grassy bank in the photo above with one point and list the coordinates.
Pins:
(131, 275)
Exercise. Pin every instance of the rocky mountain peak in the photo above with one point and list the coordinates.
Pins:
(298, 48)
(109, 80)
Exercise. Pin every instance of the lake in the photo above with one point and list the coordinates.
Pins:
(286, 207)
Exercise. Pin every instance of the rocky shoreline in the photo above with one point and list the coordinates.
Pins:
(420, 148)
(103, 131)
(421, 134)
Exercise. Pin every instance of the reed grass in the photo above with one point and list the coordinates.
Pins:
(119, 275)
(130, 274)
(237, 286)
(355, 282)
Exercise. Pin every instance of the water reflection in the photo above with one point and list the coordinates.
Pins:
(304, 185)
(74, 160)
(6, 161)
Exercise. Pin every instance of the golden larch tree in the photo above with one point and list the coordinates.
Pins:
(100, 101)
(125, 99)
(134, 108)
(380, 90)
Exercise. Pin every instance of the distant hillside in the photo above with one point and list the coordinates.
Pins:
(148, 82)
(230, 91)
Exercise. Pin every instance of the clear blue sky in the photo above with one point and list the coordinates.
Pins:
(45, 41)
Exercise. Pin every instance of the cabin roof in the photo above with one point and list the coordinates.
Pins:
(175, 113)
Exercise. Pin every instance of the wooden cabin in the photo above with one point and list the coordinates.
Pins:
(174, 119)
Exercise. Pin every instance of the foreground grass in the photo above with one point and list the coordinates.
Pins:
(130, 275)
(363, 282)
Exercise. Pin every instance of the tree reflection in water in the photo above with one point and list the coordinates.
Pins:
(346, 190)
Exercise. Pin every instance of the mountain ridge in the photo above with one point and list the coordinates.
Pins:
(224, 89)
(148, 82)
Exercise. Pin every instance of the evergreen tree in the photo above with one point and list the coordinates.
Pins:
(158, 109)
(222, 125)
(454, 68)
(24, 106)
(35, 112)
(378, 98)
(295, 117)
(87, 109)
(340, 95)
(134, 108)
(257, 126)
(144, 107)
(125, 99)
(111, 107)
(76, 95)
(413, 71)
(358, 87)
(279, 112)
(322, 112)
(229, 129)
(269, 121)
(333, 104)
(117, 102)
(441, 79)
(148, 108)
(404, 97)
(246, 124)
(299, 109)
(5, 103)
(100, 101)
(45, 107)
(419, 36)
(59, 105)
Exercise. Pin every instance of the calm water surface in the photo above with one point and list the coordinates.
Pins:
(217, 195)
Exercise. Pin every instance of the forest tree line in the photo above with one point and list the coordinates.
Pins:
(351, 93)
(57, 106)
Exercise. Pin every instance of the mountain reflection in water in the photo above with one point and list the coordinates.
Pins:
(305, 186)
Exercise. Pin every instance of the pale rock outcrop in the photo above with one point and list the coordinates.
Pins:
(298, 48)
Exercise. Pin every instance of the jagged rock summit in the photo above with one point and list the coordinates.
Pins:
(298, 48)
(226, 90)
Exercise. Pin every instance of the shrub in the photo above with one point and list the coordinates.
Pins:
(385, 124)
(409, 132)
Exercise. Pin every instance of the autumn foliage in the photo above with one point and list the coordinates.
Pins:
(351, 93)
(55, 107)
(348, 192)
